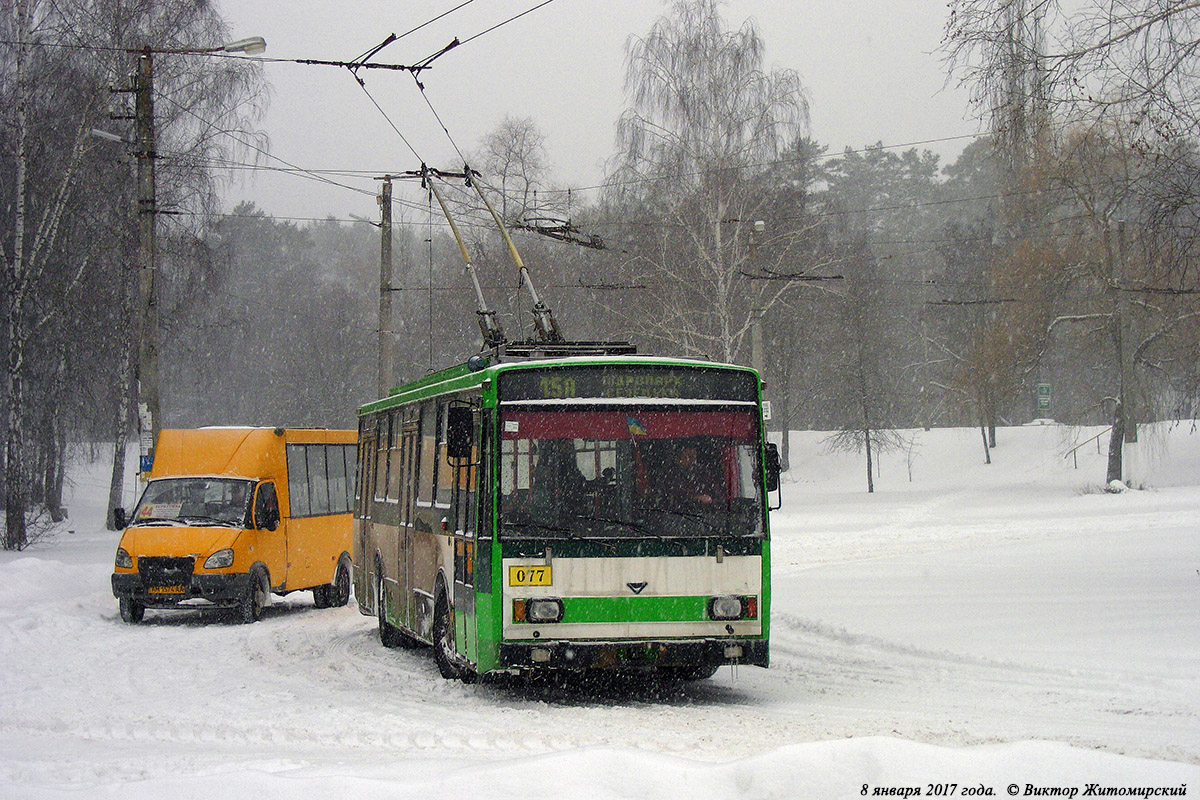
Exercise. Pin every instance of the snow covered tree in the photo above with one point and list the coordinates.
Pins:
(57, 64)
(705, 123)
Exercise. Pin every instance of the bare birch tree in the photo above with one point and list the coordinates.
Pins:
(705, 120)
(58, 65)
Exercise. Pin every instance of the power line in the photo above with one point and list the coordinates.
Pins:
(362, 85)
(395, 38)
(425, 62)
(244, 143)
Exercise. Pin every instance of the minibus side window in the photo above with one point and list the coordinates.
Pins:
(266, 507)
(297, 481)
(335, 467)
(318, 480)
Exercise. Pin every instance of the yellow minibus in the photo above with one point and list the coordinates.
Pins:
(230, 516)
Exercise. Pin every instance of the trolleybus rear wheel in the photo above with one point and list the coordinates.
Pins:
(443, 638)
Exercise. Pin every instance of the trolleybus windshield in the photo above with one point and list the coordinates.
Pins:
(634, 471)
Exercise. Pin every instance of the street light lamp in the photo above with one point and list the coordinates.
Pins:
(251, 46)
(149, 411)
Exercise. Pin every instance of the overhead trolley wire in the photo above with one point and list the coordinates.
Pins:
(425, 62)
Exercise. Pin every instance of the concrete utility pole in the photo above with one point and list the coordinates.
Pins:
(149, 414)
(385, 286)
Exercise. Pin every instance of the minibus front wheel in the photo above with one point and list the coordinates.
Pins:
(132, 611)
(250, 609)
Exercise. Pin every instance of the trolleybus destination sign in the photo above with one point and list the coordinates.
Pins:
(628, 382)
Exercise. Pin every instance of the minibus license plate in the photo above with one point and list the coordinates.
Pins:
(530, 576)
(165, 590)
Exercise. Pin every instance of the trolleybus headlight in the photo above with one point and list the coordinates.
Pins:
(543, 610)
(123, 559)
(219, 559)
(726, 607)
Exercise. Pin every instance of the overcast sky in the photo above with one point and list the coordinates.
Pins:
(870, 68)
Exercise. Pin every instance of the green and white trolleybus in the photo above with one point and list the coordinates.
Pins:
(577, 512)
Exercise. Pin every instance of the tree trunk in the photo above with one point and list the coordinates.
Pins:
(14, 490)
(121, 437)
(987, 453)
(870, 465)
(55, 452)
(1116, 441)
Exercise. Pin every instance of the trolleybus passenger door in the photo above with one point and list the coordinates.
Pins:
(410, 466)
(363, 488)
(462, 431)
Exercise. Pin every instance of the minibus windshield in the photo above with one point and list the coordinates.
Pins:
(195, 502)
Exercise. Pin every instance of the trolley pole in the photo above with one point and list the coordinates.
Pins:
(385, 287)
(149, 412)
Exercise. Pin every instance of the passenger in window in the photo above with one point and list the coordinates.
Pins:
(692, 483)
(239, 503)
(557, 481)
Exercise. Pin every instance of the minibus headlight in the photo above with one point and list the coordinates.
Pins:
(123, 559)
(543, 610)
(726, 607)
(219, 559)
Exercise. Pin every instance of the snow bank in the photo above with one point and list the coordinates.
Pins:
(979, 625)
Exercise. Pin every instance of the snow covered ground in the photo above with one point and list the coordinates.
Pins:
(987, 626)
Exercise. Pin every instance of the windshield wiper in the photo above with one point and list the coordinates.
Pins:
(145, 520)
(631, 525)
(570, 534)
(211, 520)
(690, 516)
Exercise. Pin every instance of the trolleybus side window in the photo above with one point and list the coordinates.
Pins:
(395, 458)
(445, 472)
(427, 473)
(381, 455)
(362, 487)
(411, 447)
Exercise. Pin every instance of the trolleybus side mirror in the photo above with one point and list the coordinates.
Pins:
(772, 467)
(459, 426)
(120, 520)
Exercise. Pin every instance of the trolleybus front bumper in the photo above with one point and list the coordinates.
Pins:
(632, 655)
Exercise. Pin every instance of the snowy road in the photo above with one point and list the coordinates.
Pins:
(1027, 618)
